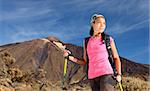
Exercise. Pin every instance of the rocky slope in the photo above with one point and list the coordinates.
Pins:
(37, 65)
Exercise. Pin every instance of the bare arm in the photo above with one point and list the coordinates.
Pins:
(116, 57)
(79, 61)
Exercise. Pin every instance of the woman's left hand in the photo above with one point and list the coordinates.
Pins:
(118, 78)
(66, 53)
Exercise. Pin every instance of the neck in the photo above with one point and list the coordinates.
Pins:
(97, 35)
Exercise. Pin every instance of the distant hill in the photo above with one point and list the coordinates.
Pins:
(40, 60)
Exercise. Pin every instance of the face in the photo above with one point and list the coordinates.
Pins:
(99, 25)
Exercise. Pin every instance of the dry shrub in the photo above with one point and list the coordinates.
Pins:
(7, 58)
(134, 84)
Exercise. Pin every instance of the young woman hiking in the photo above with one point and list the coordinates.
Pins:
(100, 71)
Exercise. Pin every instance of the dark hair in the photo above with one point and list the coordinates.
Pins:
(91, 31)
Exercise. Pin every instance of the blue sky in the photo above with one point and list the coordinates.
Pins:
(69, 20)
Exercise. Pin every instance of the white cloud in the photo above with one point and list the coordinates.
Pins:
(24, 13)
(24, 10)
(118, 28)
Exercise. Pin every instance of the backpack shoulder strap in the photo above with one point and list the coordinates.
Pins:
(106, 39)
(86, 40)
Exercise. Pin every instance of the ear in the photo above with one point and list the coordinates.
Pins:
(92, 24)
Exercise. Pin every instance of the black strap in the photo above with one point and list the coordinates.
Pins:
(86, 40)
(106, 39)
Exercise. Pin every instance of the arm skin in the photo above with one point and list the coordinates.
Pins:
(79, 61)
(116, 57)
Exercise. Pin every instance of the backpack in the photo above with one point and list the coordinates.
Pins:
(106, 40)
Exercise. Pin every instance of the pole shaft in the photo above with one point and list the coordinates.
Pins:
(120, 86)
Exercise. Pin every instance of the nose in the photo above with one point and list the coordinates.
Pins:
(102, 24)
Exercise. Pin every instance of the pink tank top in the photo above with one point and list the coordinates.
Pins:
(98, 58)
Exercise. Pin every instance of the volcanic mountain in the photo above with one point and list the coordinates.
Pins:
(40, 60)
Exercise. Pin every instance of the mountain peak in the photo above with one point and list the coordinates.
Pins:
(41, 55)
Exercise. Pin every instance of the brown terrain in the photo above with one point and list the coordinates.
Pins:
(37, 65)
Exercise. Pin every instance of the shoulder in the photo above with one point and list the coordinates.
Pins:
(85, 42)
(86, 38)
(110, 37)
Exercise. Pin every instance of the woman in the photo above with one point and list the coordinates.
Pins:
(99, 69)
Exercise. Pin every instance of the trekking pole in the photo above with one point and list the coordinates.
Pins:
(64, 74)
(119, 83)
(121, 89)
(65, 67)
(62, 48)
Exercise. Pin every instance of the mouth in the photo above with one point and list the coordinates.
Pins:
(102, 28)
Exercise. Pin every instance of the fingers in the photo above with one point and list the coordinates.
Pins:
(68, 52)
(65, 54)
(71, 58)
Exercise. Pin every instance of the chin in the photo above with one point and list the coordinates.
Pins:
(102, 30)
